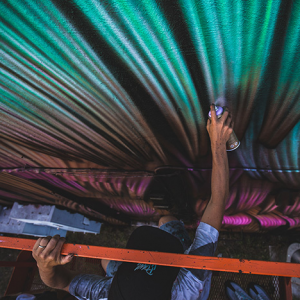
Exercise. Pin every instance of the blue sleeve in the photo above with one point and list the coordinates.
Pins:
(205, 244)
(90, 286)
(193, 284)
(205, 235)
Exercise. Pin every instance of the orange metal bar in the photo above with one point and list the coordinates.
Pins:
(167, 259)
(22, 277)
(288, 288)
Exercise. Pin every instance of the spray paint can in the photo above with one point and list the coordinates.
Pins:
(233, 141)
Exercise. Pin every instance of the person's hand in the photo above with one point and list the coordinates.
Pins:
(219, 130)
(49, 257)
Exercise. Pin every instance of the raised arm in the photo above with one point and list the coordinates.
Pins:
(219, 131)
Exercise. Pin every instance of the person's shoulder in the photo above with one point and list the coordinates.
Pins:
(207, 232)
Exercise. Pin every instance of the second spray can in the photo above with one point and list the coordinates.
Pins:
(233, 141)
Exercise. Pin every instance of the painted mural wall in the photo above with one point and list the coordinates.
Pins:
(104, 104)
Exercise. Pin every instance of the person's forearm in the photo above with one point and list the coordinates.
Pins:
(214, 211)
(58, 277)
(220, 175)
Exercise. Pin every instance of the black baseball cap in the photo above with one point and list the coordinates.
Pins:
(135, 281)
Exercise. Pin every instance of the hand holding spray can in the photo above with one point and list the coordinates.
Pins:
(233, 141)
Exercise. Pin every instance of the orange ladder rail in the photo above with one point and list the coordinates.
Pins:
(167, 259)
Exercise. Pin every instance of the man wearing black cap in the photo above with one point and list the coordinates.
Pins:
(132, 281)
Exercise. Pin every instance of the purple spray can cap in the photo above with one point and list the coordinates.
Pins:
(219, 111)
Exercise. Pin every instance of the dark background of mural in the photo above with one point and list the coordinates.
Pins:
(103, 104)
